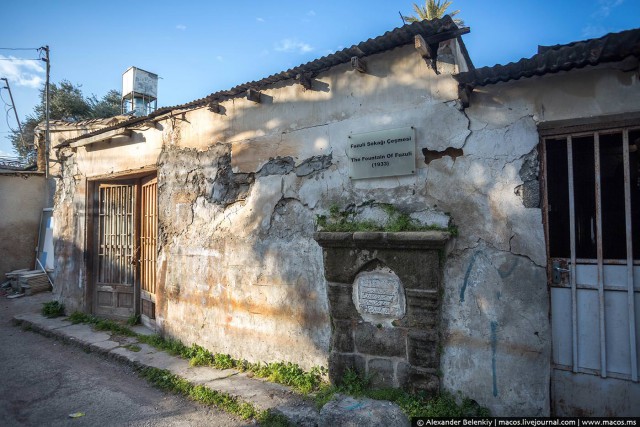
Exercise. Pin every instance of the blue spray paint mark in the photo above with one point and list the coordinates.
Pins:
(494, 346)
(466, 276)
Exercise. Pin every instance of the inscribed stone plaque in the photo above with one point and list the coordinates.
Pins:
(379, 295)
(388, 152)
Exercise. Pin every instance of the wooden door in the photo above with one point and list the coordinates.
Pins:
(148, 248)
(115, 239)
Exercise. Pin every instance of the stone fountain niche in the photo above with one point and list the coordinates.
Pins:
(384, 303)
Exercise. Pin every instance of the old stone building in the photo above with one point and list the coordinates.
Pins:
(202, 218)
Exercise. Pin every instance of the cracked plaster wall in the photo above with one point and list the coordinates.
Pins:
(495, 305)
(496, 312)
(242, 273)
(239, 271)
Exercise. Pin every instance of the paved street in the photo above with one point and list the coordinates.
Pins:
(42, 381)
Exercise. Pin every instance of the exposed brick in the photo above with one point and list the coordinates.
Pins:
(338, 365)
(376, 341)
(422, 381)
(422, 349)
(422, 310)
(340, 301)
(403, 370)
(381, 372)
(339, 264)
(342, 336)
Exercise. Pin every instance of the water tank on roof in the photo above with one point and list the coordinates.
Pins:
(139, 92)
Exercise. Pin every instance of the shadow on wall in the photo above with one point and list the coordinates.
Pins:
(239, 271)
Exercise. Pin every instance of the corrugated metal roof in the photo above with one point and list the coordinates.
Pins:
(610, 48)
(389, 40)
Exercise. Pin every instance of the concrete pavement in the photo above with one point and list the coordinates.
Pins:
(261, 394)
(43, 381)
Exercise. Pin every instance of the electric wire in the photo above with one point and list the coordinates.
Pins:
(20, 59)
(7, 109)
(19, 48)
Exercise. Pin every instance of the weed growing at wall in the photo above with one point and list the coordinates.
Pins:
(133, 320)
(443, 405)
(101, 324)
(345, 220)
(285, 373)
(169, 382)
(173, 347)
(52, 309)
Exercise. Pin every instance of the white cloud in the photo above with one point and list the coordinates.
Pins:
(592, 31)
(293, 45)
(21, 72)
(6, 154)
(219, 58)
(181, 27)
(605, 7)
(311, 13)
(260, 19)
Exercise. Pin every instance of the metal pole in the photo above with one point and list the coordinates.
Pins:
(47, 137)
(13, 105)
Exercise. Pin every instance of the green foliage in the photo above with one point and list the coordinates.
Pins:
(52, 309)
(269, 419)
(101, 324)
(66, 102)
(167, 381)
(133, 320)
(324, 395)
(279, 372)
(345, 220)
(353, 384)
(171, 346)
(433, 9)
(442, 405)
(292, 375)
(223, 361)
(77, 317)
(445, 405)
(133, 347)
(108, 106)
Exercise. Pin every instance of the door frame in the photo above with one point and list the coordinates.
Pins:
(92, 222)
(567, 129)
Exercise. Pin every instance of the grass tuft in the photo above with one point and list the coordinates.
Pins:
(345, 221)
(101, 324)
(52, 309)
(133, 320)
(167, 381)
(443, 405)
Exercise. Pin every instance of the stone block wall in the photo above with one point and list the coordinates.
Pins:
(398, 348)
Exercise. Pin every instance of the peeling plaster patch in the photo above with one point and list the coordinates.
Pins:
(230, 187)
(529, 191)
(314, 164)
(285, 165)
(431, 155)
(277, 166)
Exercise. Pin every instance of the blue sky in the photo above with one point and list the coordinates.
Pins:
(199, 47)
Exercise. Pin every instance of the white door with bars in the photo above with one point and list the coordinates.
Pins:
(592, 200)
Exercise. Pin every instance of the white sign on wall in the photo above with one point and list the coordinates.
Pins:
(388, 152)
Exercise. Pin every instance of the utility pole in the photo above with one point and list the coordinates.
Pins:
(47, 139)
(13, 105)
